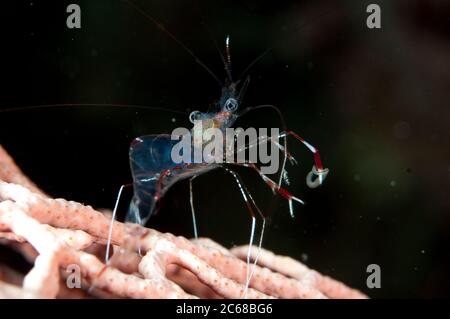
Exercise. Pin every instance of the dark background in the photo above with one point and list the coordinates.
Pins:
(375, 102)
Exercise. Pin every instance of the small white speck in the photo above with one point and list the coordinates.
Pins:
(422, 251)
(393, 183)
(174, 120)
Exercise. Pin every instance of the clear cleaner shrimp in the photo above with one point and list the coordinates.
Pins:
(154, 170)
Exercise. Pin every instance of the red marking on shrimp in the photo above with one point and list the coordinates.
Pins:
(283, 192)
(317, 160)
(163, 175)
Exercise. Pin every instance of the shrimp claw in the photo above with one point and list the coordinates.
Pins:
(320, 174)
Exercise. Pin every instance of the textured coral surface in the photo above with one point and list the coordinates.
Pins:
(64, 239)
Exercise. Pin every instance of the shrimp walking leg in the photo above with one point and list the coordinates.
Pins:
(275, 187)
(317, 171)
(113, 218)
(191, 200)
(248, 198)
(266, 139)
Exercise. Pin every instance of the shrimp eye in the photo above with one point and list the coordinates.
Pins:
(231, 105)
(194, 116)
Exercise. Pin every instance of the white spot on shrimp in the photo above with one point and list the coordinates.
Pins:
(286, 177)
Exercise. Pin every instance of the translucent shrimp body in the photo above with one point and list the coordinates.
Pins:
(153, 168)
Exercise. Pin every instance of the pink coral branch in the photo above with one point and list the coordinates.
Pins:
(10, 172)
(295, 269)
(68, 233)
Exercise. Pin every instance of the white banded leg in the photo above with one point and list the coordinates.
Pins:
(275, 187)
(249, 199)
(113, 218)
(191, 200)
